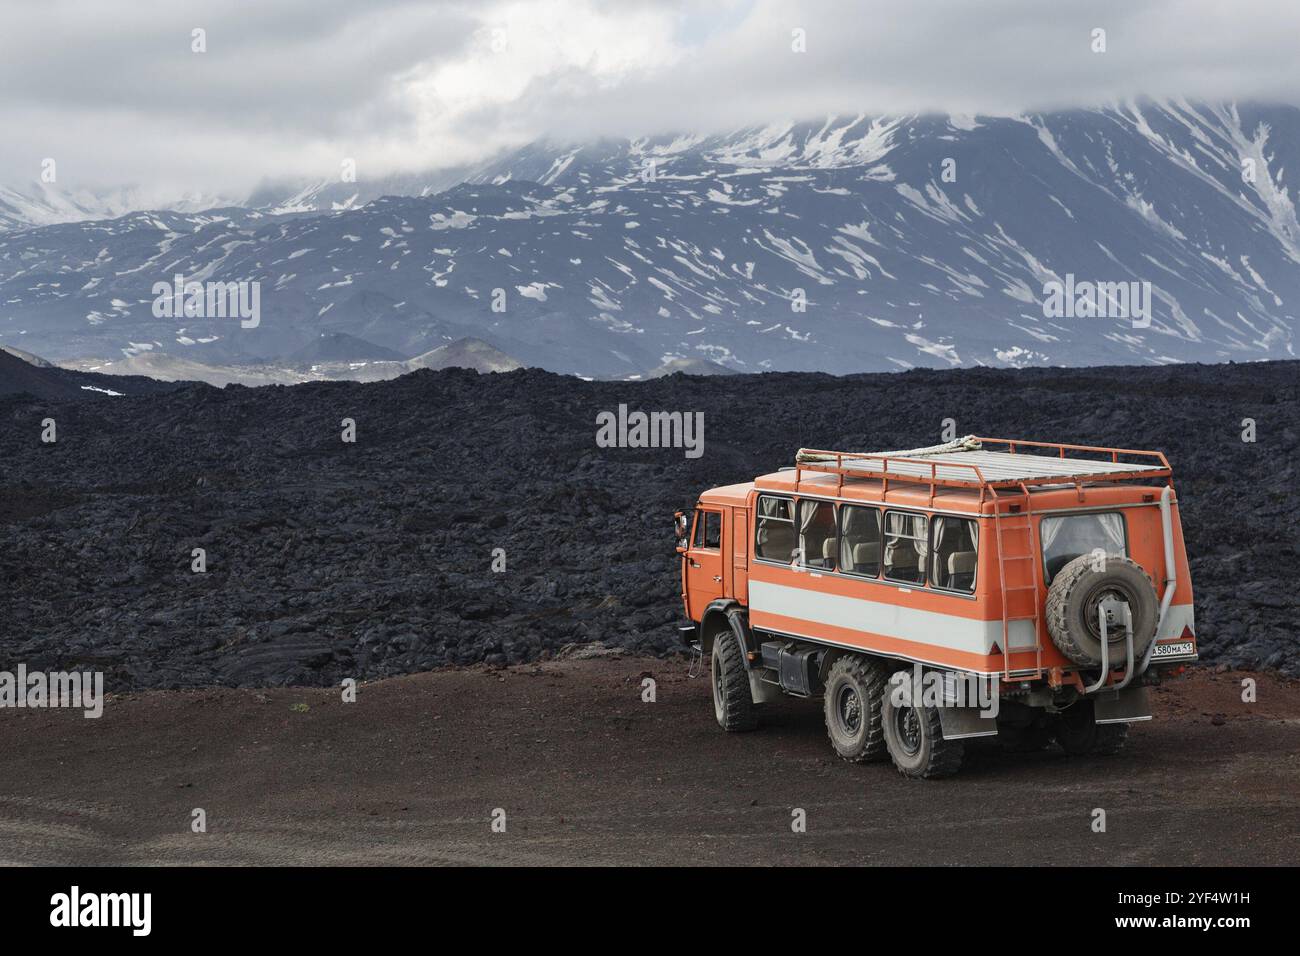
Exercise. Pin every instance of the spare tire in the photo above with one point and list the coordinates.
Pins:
(1072, 608)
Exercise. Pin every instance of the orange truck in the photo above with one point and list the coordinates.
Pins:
(983, 587)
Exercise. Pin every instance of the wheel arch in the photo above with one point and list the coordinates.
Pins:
(726, 613)
(831, 654)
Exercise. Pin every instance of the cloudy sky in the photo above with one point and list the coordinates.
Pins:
(113, 90)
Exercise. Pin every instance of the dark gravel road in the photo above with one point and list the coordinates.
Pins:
(587, 772)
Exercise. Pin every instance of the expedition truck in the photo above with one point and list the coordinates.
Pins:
(1051, 578)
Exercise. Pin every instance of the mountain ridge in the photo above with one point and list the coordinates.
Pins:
(840, 245)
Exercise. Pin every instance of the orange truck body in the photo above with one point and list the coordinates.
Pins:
(995, 629)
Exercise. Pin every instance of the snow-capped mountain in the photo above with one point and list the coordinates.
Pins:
(337, 195)
(42, 204)
(850, 244)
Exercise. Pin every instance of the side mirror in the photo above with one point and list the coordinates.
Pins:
(679, 526)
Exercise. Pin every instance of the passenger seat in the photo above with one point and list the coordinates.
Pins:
(828, 553)
(858, 555)
(776, 539)
(902, 562)
(961, 570)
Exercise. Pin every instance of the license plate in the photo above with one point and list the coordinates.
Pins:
(1177, 649)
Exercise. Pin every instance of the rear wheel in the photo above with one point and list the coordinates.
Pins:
(1110, 739)
(1079, 734)
(915, 739)
(1025, 738)
(855, 691)
(732, 704)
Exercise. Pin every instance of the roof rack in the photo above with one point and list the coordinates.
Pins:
(968, 463)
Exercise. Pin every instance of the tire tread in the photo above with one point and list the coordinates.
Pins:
(874, 676)
(738, 711)
(1058, 604)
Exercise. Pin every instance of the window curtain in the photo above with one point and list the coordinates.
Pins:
(807, 509)
(807, 513)
(939, 526)
(1113, 525)
(1110, 524)
(954, 527)
(895, 526)
(805, 516)
(1051, 530)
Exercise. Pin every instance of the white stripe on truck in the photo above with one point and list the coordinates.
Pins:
(950, 631)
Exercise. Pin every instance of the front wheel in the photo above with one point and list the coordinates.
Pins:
(732, 704)
(915, 738)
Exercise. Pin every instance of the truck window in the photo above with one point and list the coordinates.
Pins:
(774, 537)
(1065, 537)
(953, 547)
(860, 540)
(708, 529)
(713, 529)
(818, 541)
(906, 545)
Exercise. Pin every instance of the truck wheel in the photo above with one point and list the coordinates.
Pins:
(855, 691)
(732, 704)
(915, 740)
(1110, 739)
(1024, 739)
(1072, 608)
(1079, 734)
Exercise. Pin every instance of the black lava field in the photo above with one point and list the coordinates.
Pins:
(328, 559)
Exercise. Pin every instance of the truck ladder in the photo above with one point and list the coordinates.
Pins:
(1007, 526)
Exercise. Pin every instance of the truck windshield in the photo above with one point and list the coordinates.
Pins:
(1068, 536)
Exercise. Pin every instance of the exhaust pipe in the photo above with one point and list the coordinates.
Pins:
(1171, 575)
(1171, 582)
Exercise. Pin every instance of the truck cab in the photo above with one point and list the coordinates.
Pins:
(711, 571)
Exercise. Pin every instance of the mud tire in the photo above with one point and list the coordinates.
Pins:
(1072, 613)
(851, 705)
(732, 704)
(915, 739)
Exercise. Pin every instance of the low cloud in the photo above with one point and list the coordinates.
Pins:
(288, 90)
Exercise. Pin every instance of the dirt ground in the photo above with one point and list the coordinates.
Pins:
(588, 773)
